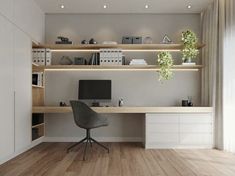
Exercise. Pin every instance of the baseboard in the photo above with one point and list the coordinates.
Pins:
(100, 139)
(172, 146)
(33, 144)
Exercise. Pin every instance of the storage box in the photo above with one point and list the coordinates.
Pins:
(126, 40)
(137, 40)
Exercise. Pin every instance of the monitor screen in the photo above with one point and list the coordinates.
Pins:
(94, 90)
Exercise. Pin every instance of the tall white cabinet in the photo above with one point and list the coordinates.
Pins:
(6, 88)
(22, 87)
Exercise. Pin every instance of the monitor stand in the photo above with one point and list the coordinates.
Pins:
(95, 104)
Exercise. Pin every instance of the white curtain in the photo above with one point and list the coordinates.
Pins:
(218, 77)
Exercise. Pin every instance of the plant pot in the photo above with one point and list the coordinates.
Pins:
(188, 60)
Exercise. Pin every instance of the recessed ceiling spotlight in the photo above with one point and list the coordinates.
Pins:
(105, 6)
(62, 6)
(146, 6)
(189, 6)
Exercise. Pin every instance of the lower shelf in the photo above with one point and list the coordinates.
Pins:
(37, 131)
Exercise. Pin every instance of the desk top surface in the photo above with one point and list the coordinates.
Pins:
(144, 110)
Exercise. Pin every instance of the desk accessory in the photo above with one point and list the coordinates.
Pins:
(120, 102)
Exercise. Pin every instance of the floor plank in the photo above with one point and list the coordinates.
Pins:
(124, 159)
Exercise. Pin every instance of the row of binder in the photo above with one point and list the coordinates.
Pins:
(41, 56)
(111, 56)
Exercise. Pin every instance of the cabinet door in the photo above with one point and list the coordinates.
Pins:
(23, 89)
(6, 89)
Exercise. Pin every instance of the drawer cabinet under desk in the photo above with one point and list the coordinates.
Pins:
(176, 130)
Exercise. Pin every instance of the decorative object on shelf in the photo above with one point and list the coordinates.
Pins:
(111, 56)
(138, 62)
(120, 102)
(63, 40)
(165, 62)
(65, 60)
(190, 50)
(148, 40)
(37, 79)
(79, 61)
(184, 102)
(109, 43)
(166, 40)
(63, 104)
(190, 102)
(84, 42)
(92, 41)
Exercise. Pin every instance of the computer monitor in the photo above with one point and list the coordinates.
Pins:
(95, 90)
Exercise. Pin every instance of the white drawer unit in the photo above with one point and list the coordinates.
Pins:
(179, 130)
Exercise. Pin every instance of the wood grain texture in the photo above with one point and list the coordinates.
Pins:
(124, 159)
(143, 110)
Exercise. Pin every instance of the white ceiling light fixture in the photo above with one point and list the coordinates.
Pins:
(189, 6)
(105, 6)
(146, 6)
(62, 6)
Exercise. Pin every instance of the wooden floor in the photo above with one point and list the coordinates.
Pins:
(124, 159)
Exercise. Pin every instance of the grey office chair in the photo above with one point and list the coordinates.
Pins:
(88, 119)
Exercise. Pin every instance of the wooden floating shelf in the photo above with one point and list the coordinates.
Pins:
(124, 47)
(57, 109)
(117, 68)
(38, 125)
(34, 86)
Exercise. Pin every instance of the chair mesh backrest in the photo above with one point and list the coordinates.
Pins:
(81, 112)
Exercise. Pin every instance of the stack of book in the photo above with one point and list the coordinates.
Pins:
(111, 57)
(138, 62)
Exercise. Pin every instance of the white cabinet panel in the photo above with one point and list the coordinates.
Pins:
(163, 138)
(23, 88)
(196, 118)
(6, 8)
(196, 128)
(162, 118)
(196, 139)
(163, 128)
(6, 89)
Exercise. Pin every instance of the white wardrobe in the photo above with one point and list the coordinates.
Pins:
(15, 74)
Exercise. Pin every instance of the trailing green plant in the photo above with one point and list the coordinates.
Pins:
(165, 62)
(190, 41)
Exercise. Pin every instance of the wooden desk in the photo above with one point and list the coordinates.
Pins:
(126, 110)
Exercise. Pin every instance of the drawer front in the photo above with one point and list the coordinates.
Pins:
(196, 118)
(162, 128)
(196, 139)
(196, 128)
(162, 118)
(163, 138)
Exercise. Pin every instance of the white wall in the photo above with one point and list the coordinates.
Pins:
(137, 88)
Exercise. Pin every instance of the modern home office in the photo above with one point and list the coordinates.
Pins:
(117, 88)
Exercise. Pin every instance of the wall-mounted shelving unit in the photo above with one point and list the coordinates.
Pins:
(38, 126)
(116, 68)
(124, 47)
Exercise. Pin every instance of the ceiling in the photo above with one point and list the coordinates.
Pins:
(122, 6)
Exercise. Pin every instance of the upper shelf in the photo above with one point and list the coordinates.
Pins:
(116, 68)
(124, 47)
